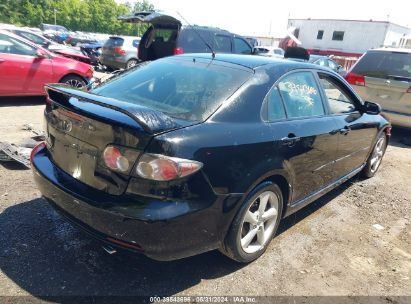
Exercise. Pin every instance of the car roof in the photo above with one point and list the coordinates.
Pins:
(252, 61)
(398, 50)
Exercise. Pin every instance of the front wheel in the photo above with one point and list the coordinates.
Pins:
(74, 81)
(255, 224)
(375, 159)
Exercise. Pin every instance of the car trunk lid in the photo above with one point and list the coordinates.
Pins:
(81, 125)
(153, 17)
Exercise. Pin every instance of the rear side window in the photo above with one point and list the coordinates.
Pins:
(181, 88)
(194, 42)
(301, 95)
(241, 47)
(222, 44)
(114, 42)
(384, 65)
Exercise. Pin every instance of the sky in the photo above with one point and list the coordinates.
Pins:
(269, 18)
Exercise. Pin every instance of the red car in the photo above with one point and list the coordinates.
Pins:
(25, 68)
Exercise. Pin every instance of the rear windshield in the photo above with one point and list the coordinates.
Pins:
(181, 88)
(114, 41)
(384, 65)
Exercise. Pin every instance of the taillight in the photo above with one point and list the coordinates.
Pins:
(178, 51)
(119, 158)
(119, 51)
(164, 168)
(355, 79)
(35, 149)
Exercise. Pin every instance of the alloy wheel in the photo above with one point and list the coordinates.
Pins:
(377, 154)
(75, 83)
(259, 222)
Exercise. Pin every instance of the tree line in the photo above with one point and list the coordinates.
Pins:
(98, 16)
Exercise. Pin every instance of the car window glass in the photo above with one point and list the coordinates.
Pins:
(191, 42)
(180, 88)
(384, 64)
(338, 101)
(222, 44)
(241, 47)
(10, 45)
(322, 62)
(275, 108)
(300, 95)
(32, 37)
(332, 64)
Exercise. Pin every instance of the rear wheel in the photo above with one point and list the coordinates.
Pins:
(255, 224)
(375, 159)
(131, 63)
(74, 81)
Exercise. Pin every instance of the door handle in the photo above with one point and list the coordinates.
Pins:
(290, 140)
(2, 60)
(345, 130)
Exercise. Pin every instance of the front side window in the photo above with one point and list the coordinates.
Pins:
(241, 47)
(10, 45)
(301, 96)
(338, 100)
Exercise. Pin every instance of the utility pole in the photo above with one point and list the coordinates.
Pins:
(55, 16)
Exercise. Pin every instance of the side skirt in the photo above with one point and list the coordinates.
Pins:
(312, 197)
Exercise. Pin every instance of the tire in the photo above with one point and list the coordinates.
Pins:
(250, 234)
(375, 158)
(131, 63)
(74, 81)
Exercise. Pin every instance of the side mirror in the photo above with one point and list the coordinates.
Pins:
(372, 108)
(41, 54)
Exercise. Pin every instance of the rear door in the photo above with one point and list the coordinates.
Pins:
(387, 79)
(21, 71)
(356, 130)
(302, 132)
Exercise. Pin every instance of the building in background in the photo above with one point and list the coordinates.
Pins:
(347, 37)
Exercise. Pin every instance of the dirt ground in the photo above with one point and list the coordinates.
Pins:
(329, 248)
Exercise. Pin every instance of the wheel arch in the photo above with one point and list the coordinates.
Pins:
(72, 74)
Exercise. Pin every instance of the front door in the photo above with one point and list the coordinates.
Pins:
(356, 129)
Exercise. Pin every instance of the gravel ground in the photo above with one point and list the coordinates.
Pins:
(328, 248)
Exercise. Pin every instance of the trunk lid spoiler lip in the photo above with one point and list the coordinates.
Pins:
(152, 121)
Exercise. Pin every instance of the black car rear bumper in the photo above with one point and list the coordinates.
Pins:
(162, 230)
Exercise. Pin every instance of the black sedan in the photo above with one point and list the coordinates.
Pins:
(193, 153)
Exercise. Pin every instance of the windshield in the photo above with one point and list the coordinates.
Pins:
(384, 65)
(190, 89)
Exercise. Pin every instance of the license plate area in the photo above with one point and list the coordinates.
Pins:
(75, 157)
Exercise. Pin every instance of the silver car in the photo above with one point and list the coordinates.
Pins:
(120, 52)
(384, 76)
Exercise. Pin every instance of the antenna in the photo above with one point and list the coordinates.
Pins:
(199, 35)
